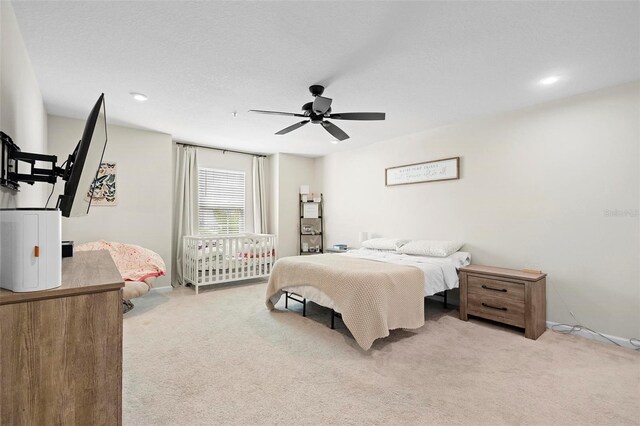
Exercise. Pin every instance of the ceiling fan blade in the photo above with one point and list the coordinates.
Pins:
(291, 128)
(321, 104)
(335, 131)
(358, 116)
(290, 114)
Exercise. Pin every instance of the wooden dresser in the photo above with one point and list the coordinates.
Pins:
(61, 349)
(508, 296)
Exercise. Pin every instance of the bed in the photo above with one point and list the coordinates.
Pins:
(219, 259)
(316, 278)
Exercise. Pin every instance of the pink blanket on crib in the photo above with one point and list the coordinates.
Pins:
(135, 263)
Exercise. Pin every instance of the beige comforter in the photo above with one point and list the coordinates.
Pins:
(373, 297)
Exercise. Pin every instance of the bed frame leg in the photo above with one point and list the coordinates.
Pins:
(333, 318)
(288, 296)
(445, 299)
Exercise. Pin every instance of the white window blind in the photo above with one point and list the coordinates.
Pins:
(221, 199)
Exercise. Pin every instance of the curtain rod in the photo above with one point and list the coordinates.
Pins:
(220, 149)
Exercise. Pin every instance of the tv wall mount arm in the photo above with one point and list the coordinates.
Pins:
(13, 157)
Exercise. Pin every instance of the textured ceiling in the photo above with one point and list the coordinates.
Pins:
(423, 63)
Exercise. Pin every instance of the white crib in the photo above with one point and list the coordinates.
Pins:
(217, 259)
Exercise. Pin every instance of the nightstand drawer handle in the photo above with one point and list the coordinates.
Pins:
(504, 290)
(494, 307)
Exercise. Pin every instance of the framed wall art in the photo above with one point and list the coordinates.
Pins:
(104, 187)
(427, 171)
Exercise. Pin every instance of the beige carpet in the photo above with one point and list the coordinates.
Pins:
(222, 358)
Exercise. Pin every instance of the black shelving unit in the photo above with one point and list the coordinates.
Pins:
(315, 238)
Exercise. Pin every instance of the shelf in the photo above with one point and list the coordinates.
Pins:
(311, 223)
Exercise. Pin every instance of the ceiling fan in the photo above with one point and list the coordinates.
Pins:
(318, 111)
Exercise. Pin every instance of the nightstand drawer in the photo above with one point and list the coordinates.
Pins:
(492, 287)
(502, 309)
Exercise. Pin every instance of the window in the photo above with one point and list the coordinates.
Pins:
(221, 201)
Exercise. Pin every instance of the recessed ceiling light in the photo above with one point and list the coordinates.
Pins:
(139, 96)
(335, 141)
(548, 81)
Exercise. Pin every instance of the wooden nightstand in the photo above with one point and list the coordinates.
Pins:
(508, 296)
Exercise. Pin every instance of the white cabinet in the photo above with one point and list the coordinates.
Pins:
(30, 249)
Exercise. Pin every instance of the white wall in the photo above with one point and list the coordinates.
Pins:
(143, 215)
(537, 190)
(22, 113)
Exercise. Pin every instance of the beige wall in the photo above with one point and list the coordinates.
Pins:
(288, 172)
(554, 187)
(143, 186)
(22, 113)
(273, 183)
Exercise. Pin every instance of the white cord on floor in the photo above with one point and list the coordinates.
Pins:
(635, 342)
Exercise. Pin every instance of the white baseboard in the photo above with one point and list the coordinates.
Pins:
(589, 335)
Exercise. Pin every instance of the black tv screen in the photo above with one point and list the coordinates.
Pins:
(83, 165)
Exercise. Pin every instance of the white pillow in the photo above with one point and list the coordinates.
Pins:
(384, 243)
(460, 258)
(430, 248)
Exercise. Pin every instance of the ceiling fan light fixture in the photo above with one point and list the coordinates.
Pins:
(321, 105)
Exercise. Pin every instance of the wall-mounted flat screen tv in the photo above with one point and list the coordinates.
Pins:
(83, 165)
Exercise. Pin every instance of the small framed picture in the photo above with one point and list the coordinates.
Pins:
(310, 211)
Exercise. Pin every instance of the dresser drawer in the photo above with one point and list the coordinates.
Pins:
(497, 308)
(492, 287)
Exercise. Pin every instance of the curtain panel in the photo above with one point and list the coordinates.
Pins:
(185, 214)
(259, 197)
